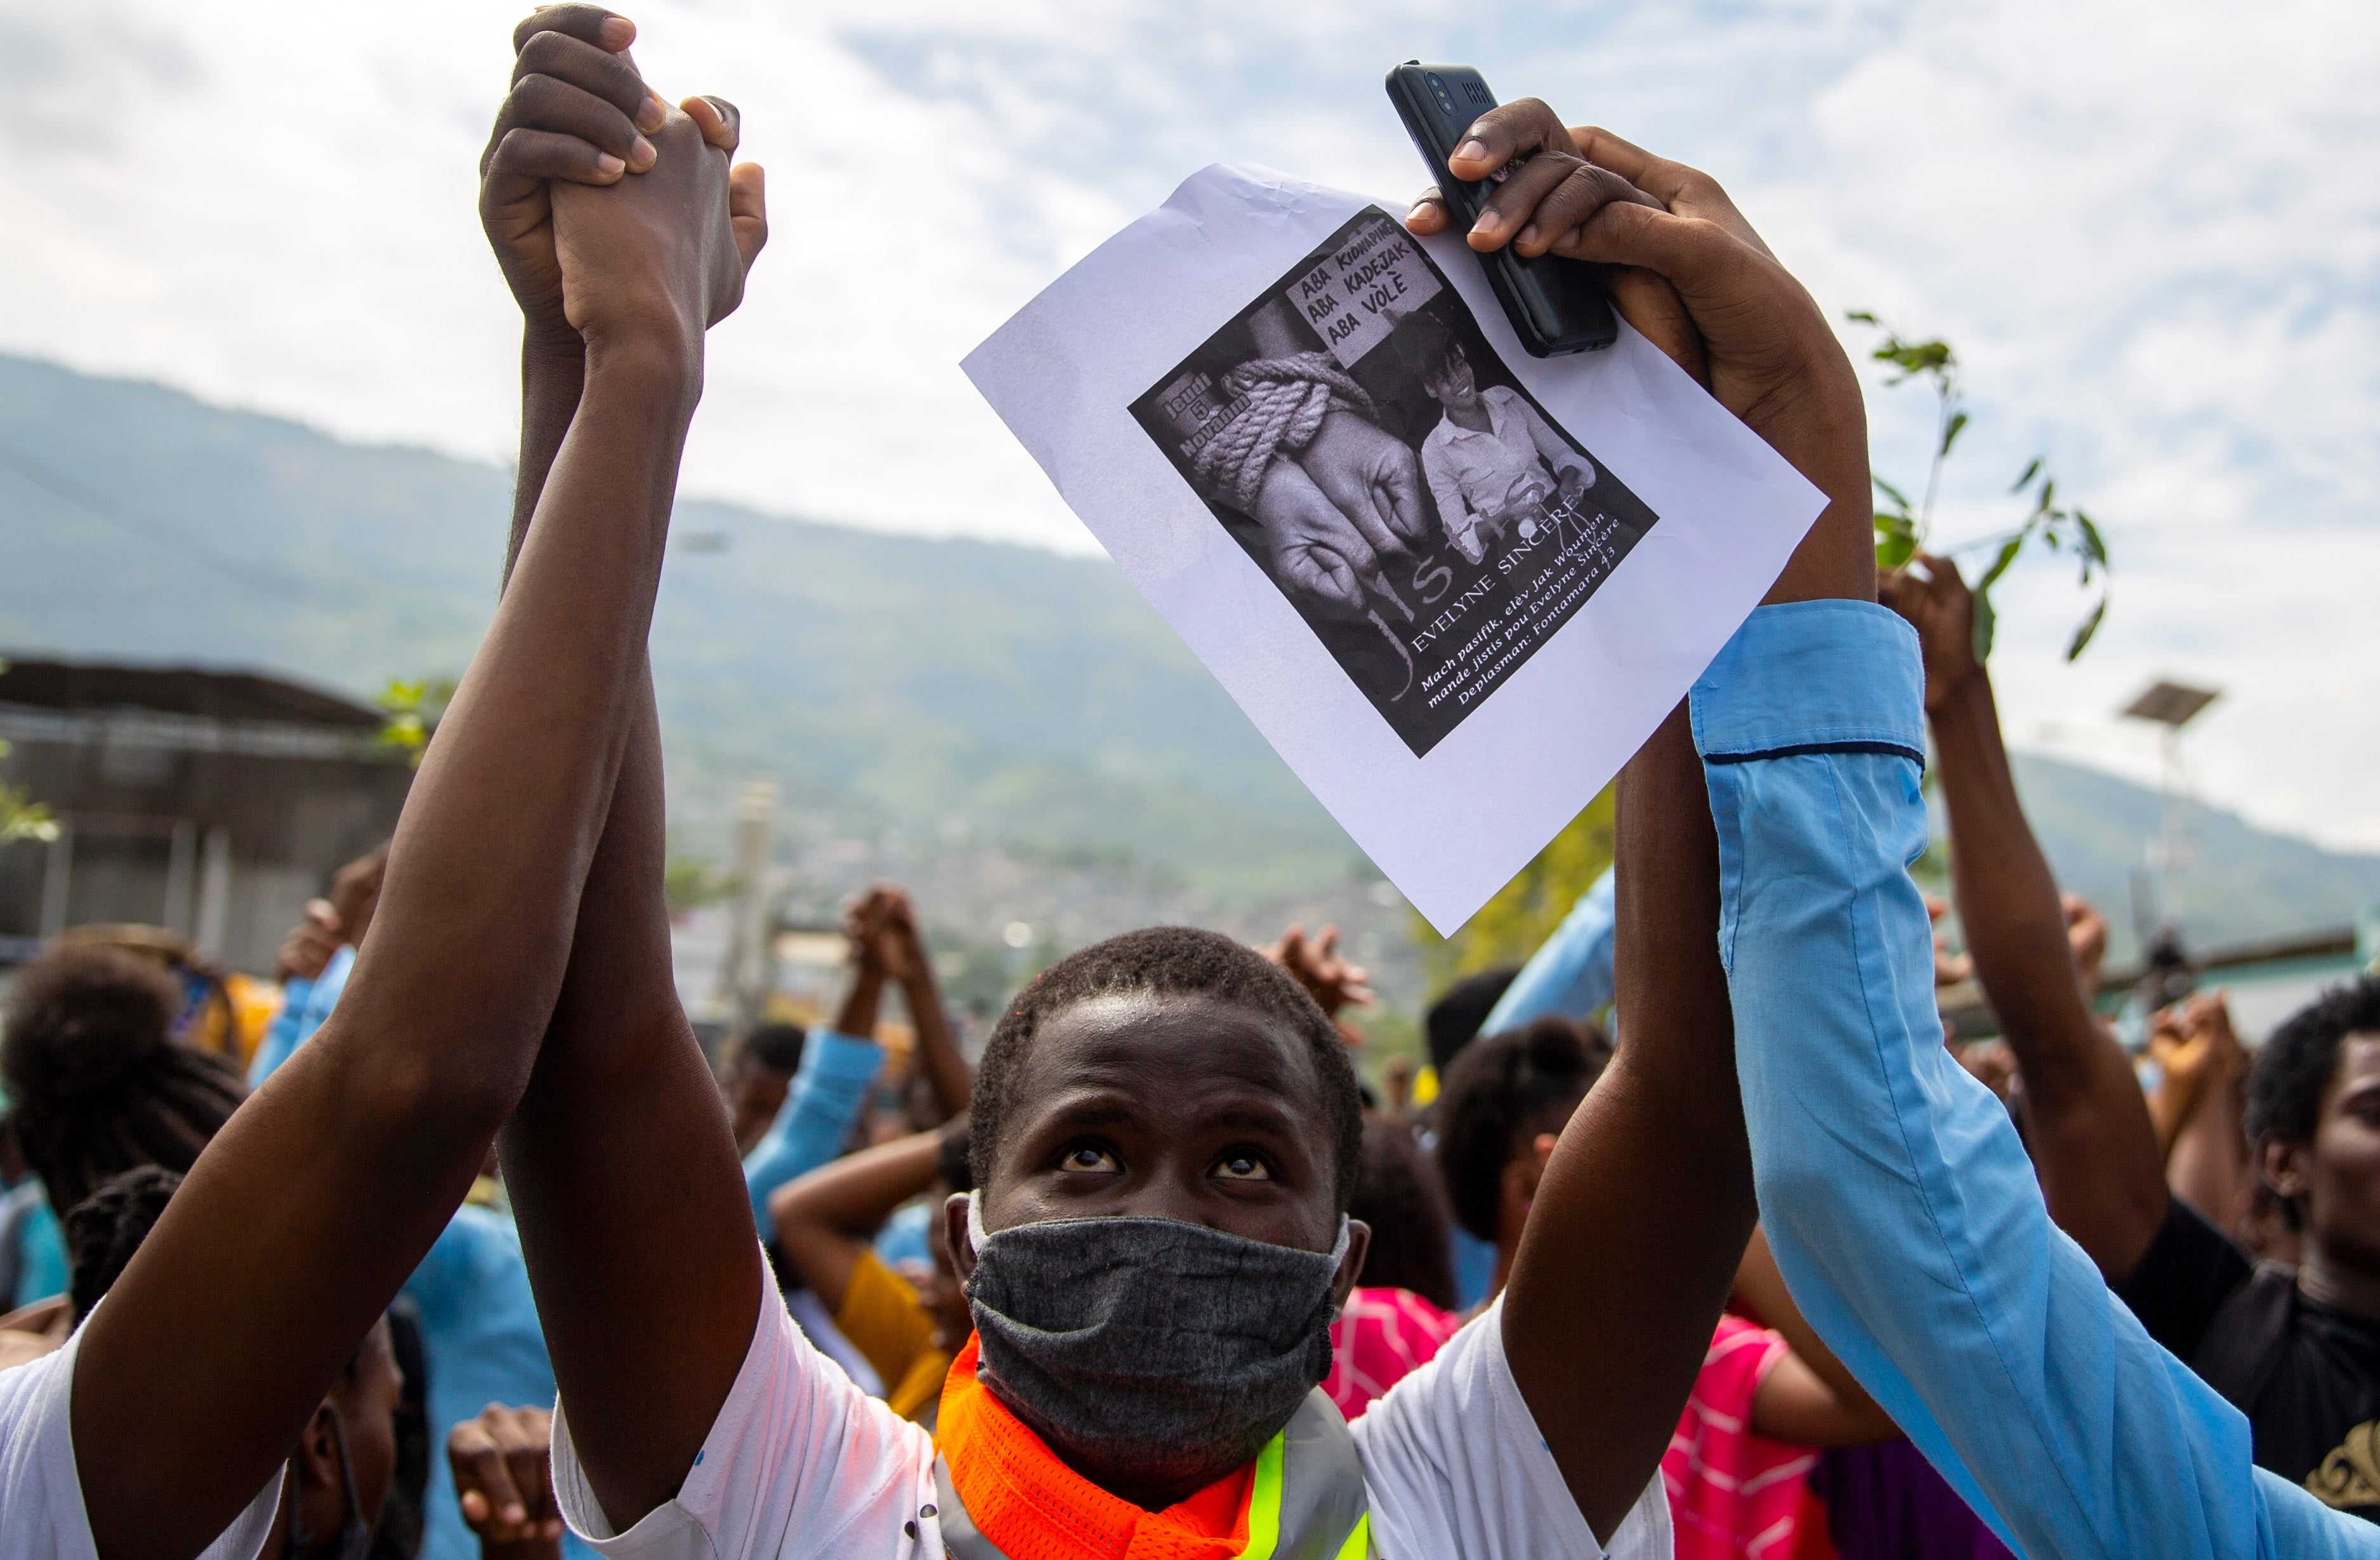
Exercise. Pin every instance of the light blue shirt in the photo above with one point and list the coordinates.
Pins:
(814, 1122)
(903, 1237)
(304, 1005)
(1900, 1203)
(40, 1255)
(1571, 973)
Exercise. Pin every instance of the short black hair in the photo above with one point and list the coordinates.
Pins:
(1453, 1020)
(777, 1047)
(1424, 344)
(101, 1084)
(2298, 1063)
(106, 1228)
(1167, 961)
(1500, 1094)
(1399, 1195)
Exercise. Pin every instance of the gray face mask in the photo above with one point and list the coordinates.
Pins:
(1164, 1352)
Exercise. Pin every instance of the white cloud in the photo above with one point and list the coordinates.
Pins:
(2150, 229)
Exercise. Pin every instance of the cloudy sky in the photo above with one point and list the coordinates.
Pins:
(2152, 230)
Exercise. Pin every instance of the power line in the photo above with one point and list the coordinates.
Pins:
(265, 581)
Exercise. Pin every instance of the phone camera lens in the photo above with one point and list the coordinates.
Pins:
(1437, 83)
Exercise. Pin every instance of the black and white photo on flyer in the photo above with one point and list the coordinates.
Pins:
(1453, 585)
(1353, 430)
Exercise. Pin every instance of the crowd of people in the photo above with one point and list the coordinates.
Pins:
(1700, 1235)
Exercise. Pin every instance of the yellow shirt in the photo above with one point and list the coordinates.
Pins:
(886, 1322)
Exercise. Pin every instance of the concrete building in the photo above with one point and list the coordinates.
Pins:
(213, 804)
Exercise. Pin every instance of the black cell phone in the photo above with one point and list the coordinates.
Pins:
(1557, 305)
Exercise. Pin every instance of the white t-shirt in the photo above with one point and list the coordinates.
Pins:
(42, 1515)
(800, 1463)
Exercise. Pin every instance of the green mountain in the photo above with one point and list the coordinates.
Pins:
(985, 691)
(1001, 708)
(2235, 883)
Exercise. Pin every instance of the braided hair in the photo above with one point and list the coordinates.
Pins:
(100, 1083)
(106, 1228)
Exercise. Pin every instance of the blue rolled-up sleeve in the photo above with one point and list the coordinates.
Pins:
(1570, 974)
(823, 1101)
(1900, 1205)
(305, 1004)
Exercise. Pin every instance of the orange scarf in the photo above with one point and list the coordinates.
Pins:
(1035, 1507)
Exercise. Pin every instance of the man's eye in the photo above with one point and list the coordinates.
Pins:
(1241, 1168)
(1090, 1158)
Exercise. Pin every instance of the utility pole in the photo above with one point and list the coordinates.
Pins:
(750, 966)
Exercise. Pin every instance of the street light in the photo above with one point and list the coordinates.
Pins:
(2169, 706)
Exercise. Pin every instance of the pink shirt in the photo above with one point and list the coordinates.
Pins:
(1733, 1495)
(1381, 1336)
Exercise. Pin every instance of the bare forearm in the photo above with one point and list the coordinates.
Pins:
(2102, 1170)
(856, 1194)
(824, 1219)
(554, 375)
(1760, 1286)
(633, 1218)
(2007, 897)
(2208, 1168)
(938, 1046)
(1647, 1201)
(495, 841)
(856, 1017)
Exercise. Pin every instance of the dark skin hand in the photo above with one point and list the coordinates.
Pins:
(1315, 963)
(500, 1462)
(648, 1285)
(1166, 1107)
(2101, 1168)
(1699, 284)
(2334, 1183)
(217, 1343)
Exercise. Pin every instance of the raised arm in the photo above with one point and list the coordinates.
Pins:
(2208, 1164)
(258, 1284)
(831, 1087)
(1647, 1203)
(649, 1280)
(938, 1046)
(2102, 1169)
(824, 1220)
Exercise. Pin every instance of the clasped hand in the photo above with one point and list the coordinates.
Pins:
(613, 215)
(1691, 274)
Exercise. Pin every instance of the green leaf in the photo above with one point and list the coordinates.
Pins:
(2031, 471)
(1862, 317)
(1950, 433)
(2093, 548)
(1987, 621)
(2041, 500)
(1891, 492)
(1894, 548)
(2008, 550)
(2090, 627)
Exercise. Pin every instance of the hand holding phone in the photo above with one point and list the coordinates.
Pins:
(1557, 305)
